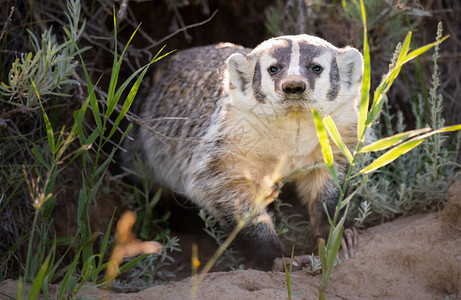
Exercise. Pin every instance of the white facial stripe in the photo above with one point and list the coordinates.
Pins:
(294, 69)
(322, 83)
(267, 84)
(267, 60)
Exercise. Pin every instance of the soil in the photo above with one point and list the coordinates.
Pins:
(415, 257)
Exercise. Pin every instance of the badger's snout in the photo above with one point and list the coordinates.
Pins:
(293, 85)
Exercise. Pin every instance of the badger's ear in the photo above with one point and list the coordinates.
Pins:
(350, 65)
(240, 72)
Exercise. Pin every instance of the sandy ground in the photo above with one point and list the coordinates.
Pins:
(416, 257)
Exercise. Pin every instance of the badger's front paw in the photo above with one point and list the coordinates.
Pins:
(348, 241)
(297, 263)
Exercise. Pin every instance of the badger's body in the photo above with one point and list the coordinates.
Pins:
(222, 112)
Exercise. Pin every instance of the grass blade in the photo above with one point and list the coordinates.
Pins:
(288, 272)
(351, 195)
(91, 95)
(415, 53)
(111, 99)
(448, 128)
(49, 129)
(323, 259)
(403, 148)
(388, 142)
(39, 156)
(115, 68)
(365, 92)
(104, 245)
(132, 262)
(129, 100)
(390, 156)
(386, 83)
(440, 130)
(325, 145)
(37, 284)
(333, 247)
(337, 139)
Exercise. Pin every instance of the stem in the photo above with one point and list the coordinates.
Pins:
(215, 257)
(322, 292)
(29, 247)
(98, 152)
(346, 182)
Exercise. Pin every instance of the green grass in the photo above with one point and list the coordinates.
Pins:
(35, 81)
(288, 271)
(399, 144)
(420, 179)
(36, 157)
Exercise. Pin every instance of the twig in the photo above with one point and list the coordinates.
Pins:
(180, 30)
(6, 22)
(122, 10)
(187, 36)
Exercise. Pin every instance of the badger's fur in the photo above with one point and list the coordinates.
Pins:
(220, 112)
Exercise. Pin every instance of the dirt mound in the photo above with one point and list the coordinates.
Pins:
(410, 258)
(416, 257)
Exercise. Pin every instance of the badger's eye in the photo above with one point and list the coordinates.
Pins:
(316, 69)
(272, 70)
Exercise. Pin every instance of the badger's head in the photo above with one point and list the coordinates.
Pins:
(294, 74)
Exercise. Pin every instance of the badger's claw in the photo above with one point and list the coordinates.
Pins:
(350, 238)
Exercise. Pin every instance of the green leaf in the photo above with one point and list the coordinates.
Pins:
(66, 285)
(365, 92)
(93, 136)
(391, 155)
(134, 90)
(288, 272)
(64, 240)
(132, 262)
(323, 260)
(350, 196)
(48, 206)
(37, 284)
(440, 130)
(329, 252)
(325, 208)
(93, 101)
(39, 156)
(111, 100)
(90, 273)
(332, 251)
(386, 83)
(388, 142)
(392, 74)
(394, 153)
(129, 99)
(415, 53)
(104, 245)
(91, 95)
(49, 129)
(448, 128)
(128, 129)
(405, 48)
(157, 57)
(155, 198)
(325, 145)
(19, 288)
(334, 133)
(114, 73)
(104, 165)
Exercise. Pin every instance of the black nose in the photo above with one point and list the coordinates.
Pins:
(293, 87)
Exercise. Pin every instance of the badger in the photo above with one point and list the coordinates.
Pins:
(221, 114)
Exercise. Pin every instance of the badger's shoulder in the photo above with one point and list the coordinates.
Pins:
(188, 85)
(194, 63)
